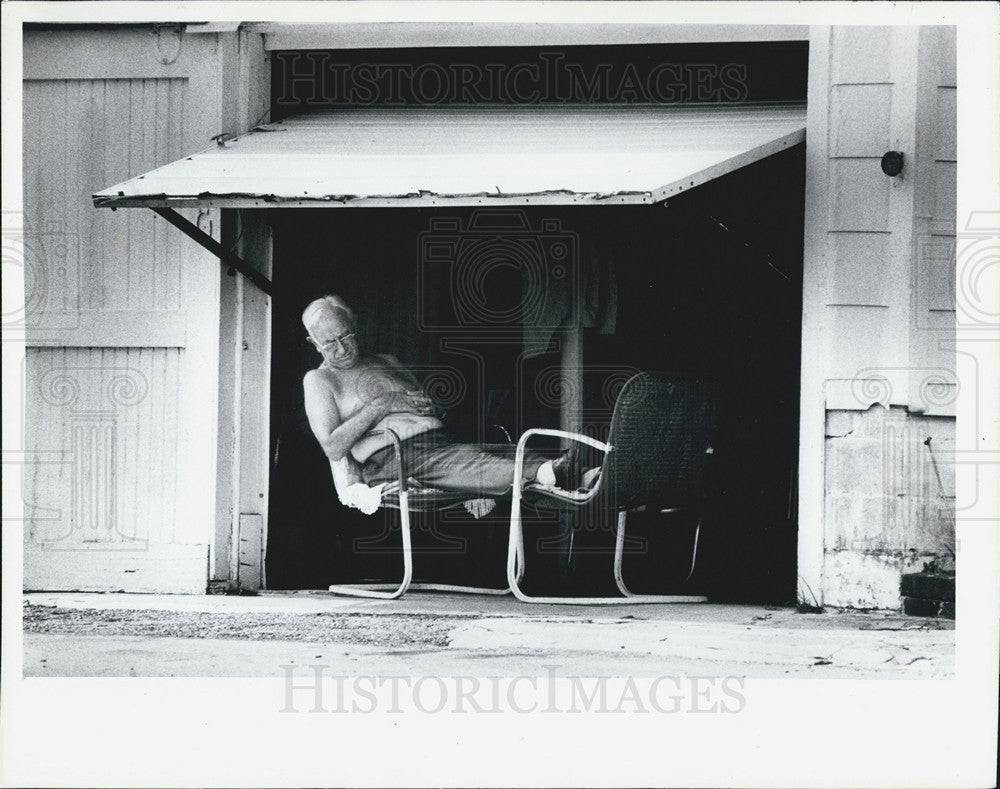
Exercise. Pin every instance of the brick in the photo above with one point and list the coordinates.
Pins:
(927, 586)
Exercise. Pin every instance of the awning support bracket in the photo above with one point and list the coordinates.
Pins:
(224, 255)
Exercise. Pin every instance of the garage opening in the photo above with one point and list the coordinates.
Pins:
(709, 283)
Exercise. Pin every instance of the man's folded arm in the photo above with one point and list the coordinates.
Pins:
(336, 437)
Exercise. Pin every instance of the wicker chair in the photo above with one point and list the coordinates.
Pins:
(658, 449)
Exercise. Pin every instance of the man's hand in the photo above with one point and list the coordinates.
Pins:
(412, 402)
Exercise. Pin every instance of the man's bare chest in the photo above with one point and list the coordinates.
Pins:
(355, 388)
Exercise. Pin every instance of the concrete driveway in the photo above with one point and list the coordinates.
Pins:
(76, 634)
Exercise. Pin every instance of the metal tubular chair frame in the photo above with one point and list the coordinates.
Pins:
(379, 591)
(619, 555)
(515, 551)
(394, 591)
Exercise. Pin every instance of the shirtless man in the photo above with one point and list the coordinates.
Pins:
(351, 393)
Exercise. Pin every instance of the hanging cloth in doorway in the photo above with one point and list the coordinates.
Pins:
(581, 294)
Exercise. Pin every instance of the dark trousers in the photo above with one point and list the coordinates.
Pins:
(436, 461)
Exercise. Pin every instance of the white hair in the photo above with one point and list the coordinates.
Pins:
(328, 303)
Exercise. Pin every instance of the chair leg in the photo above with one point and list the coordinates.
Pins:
(431, 587)
(520, 556)
(620, 581)
(694, 551)
(379, 591)
(515, 570)
(459, 589)
(393, 591)
(435, 587)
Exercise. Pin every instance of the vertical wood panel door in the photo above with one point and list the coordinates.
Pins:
(121, 367)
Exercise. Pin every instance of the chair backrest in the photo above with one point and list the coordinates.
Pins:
(662, 431)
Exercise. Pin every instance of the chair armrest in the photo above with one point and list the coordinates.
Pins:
(578, 437)
(394, 437)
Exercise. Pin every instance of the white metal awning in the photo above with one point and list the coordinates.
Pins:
(470, 156)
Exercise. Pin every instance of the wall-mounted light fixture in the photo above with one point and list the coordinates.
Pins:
(892, 163)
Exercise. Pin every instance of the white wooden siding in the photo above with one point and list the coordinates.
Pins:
(932, 337)
(245, 354)
(878, 309)
(885, 297)
(92, 259)
(859, 229)
(120, 372)
(113, 413)
(67, 130)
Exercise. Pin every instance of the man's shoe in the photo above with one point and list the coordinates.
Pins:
(568, 469)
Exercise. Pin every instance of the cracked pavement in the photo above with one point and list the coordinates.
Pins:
(77, 634)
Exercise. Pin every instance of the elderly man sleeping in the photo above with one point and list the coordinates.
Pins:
(351, 394)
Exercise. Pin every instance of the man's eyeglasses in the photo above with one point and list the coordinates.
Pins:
(336, 341)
